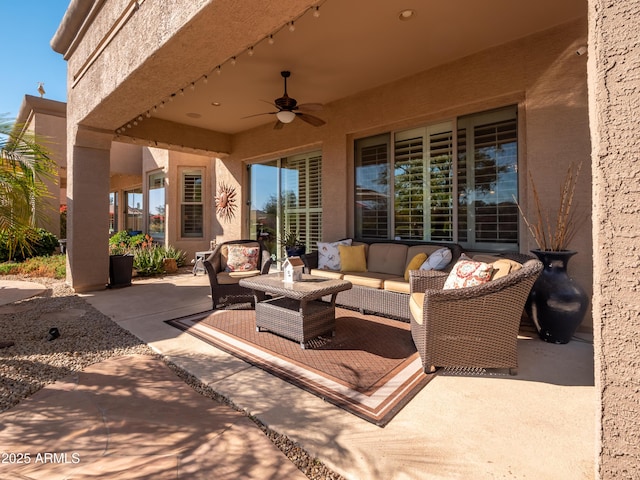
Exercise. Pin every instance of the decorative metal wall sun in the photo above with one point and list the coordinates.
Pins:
(226, 202)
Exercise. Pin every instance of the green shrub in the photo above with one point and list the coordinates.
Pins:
(178, 255)
(36, 242)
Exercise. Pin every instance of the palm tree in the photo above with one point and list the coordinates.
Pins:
(24, 163)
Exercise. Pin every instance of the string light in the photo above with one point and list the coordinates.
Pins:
(250, 51)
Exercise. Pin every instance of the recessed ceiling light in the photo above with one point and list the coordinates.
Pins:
(407, 14)
(193, 115)
(216, 104)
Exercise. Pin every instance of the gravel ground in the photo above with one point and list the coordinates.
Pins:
(87, 337)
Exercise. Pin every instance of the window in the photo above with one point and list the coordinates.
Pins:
(192, 207)
(157, 207)
(133, 212)
(113, 212)
(286, 194)
(452, 181)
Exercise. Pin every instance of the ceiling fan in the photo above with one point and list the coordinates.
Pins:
(288, 109)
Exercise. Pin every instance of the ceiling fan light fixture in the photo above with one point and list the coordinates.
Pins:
(406, 14)
(285, 116)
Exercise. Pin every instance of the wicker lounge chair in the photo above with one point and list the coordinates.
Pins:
(469, 328)
(225, 289)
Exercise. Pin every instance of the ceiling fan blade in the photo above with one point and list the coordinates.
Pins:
(278, 125)
(310, 107)
(258, 114)
(310, 119)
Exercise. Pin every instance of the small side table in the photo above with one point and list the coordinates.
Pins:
(200, 258)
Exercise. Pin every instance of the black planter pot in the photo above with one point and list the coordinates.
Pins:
(557, 304)
(120, 270)
(295, 251)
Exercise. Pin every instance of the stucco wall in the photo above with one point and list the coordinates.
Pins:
(540, 73)
(614, 100)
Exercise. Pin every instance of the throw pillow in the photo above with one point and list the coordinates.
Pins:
(329, 255)
(437, 260)
(242, 259)
(352, 259)
(467, 273)
(414, 264)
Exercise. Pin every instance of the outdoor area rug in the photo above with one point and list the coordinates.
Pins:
(370, 368)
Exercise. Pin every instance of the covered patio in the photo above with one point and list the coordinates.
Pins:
(192, 79)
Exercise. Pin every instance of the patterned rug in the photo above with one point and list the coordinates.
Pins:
(370, 368)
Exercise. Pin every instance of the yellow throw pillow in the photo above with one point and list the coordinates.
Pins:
(352, 259)
(415, 264)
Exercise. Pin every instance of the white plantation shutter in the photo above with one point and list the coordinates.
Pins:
(302, 193)
(446, 184)
(423, 184)
(192, 207)
(488, 179)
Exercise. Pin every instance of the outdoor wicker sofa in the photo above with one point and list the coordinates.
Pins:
(381, 287)
(248, 258)
(472, 327)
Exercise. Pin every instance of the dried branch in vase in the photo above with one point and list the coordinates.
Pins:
(555, 234)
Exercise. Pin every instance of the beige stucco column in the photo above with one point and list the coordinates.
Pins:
(88, 209)
(614, 103)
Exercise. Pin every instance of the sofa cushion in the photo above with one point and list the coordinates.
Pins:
(241, 258)
(414, 264)
(438, 260)
(316, 272)
(352, 258)
(367, 279)
(468, 273)
(388, 258)
(398, 285)
(329, 255)
(416, 303)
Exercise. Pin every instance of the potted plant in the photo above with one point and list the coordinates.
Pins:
(120, 262)
(294, 247)
(556, 304)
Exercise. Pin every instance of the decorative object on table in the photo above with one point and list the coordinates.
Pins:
(293, 246)
(292, 269)
(557, 303)
(226, 202)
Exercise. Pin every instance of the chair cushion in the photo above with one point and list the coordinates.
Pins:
(468, 273)
(241, 258)
(416, 303)
(414, 264)
(232, 278)
(352, 258)
(329, 255)
(438, 260)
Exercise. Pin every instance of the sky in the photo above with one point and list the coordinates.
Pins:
(26, 28)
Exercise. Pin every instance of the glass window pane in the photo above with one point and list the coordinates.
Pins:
(157, 207)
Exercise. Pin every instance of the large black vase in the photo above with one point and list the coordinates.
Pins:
(557, 304)
(120, 270)
(295, 251)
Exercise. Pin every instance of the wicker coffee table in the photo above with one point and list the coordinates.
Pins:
(295, 310)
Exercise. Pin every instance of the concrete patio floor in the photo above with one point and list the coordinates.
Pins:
(539, 424)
